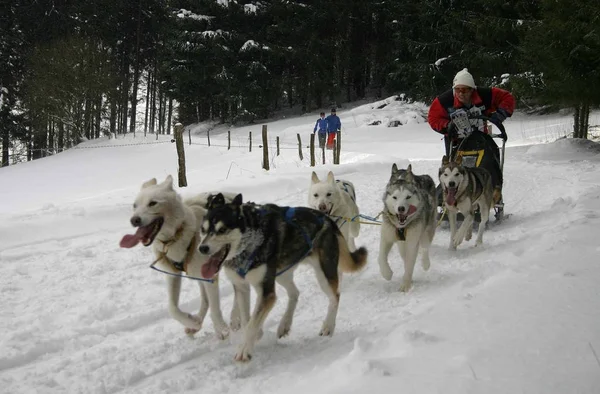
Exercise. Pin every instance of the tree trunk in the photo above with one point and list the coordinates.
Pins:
(113, 115)
(577, 120)
(98, 115)
(124, 94)
(136, 71)
(170, 117)
(153, 100)
(51, 126)
(585, 120)
(5, 145)
(146, 113)
(61, 136)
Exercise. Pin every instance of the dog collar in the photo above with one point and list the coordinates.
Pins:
(401, 233)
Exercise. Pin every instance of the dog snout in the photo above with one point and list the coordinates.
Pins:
(322, 207)
(401, 209)
(204, 249)
(136, 221)
(452, 184)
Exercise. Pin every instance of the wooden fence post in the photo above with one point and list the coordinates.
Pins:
(312, 150)
(335, 153)
(265, 148)
(323, 154)
(228, 139)
(180, 154)
(277, 145)
(300, 147)
(208, 136)
(250, 138)
(338, 143)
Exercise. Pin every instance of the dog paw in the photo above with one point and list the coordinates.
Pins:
(405, 286)
(426, 264)
(326, 331)
(284, 329)
(457, 240)
(385, 270)
(190, 332)
(469, 235)
(196, 322)
(243, 354)
(235, 324)
(222, 331)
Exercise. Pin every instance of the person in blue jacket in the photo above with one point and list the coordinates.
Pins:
(321, 125)
(334, 125)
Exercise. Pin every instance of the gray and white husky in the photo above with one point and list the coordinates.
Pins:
(171, 226)
(409, 215)
(263, 244)
(465, 189)
(337, 198)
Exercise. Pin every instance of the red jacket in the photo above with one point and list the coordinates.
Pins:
(490, 99)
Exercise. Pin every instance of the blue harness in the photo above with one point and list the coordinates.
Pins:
(289, 218)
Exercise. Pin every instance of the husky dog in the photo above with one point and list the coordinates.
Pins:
(171, 226)
(262, 244)
(408, 219)
(336, 198)
(464, 188)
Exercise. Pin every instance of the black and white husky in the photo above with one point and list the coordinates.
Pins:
(409, 214)
(263, 244)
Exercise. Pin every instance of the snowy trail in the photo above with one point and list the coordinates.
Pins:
(122, 340)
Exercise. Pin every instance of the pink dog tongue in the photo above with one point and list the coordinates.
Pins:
(411, 209)
(210, 268)
(130, 240)
(451, 197)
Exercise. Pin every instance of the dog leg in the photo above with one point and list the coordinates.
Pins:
(452, 221)
(241, 289)
(287, 281)
(462, 231)
(203, 309)
(189, 321)
(212, 293)
(424, 245)
(485, 216)
(328, 281)
(386, 241)
(265, 290)
(409, 250)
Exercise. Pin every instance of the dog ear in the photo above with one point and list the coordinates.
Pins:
(315, 178)
(237, 200)
(394, 169)
(330, 177)
(151, 182)
(215, 201)
(445, 160)
(458, 160)
(408, 176)
(168, 183)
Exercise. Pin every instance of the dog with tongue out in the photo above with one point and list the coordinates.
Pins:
(171, 226)
(408, 220)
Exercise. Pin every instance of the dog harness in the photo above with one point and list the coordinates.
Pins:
(289, 218)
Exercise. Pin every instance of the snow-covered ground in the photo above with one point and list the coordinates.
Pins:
(520, 314)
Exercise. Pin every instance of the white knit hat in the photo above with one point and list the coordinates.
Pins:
(464, 77)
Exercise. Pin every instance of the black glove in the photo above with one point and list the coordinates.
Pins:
(451, 131)
(499, 116)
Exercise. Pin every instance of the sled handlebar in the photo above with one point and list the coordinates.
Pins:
(499, 125)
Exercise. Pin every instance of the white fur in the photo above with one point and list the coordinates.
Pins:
(330, 197)
(160, 200)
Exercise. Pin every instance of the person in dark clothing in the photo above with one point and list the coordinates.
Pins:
(321, 126)
(334, 125)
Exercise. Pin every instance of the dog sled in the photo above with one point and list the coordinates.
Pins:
(477, 149)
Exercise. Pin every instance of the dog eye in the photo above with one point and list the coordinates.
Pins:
(408, 197)
(328, 194)
(222, 230)
(152, 203)
(315, 195)
(394, 197)
(134, 206)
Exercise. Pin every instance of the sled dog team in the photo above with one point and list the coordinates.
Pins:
(259, 245)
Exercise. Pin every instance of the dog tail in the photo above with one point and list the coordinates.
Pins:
(497, 194)
(351, 262)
